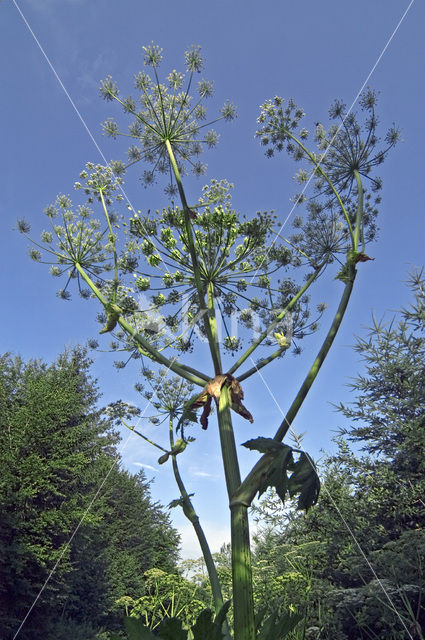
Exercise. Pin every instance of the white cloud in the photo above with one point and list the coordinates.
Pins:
(216, 536)
(203, 474)
(145, 466)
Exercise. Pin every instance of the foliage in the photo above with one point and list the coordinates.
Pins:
(205, 264)
(56, 448)
(166, 596)
(365, 540)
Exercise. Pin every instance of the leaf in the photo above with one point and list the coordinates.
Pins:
(268, 627)
(272, 630)
(178, 502)
(204, 627)
(237, 395)
(305, 481)
(212, 390)
(259, 617)
(263, 445)
(286, 625)
(277, 472)
(221, 615)
(363, 257)
(242, 411)
(214, 385)
(206, 412)
(112, 316)
(136, 630)
(171, 629)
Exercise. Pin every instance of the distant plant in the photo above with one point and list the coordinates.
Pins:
(166, 596)
(204, 264)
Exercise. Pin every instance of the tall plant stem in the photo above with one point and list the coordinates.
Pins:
(194, 259)
(193, 376)
(112, 241)
(249, 487)
(192, 516)
(243, 601)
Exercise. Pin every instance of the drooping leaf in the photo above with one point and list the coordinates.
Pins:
(213, 390)
(273, 629)
(112, 315)
(277, 472)
(305, 482)
(206, 412)
(136, 630)
(221, 615)
(259, 617)
(171, 629)
(267, 627)
(204, 627)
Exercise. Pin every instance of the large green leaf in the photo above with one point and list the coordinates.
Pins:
(277, 629)
(136, 630)
(221, 615)
(277, 473)
(204, 627)
(305, 482)
(171, 629)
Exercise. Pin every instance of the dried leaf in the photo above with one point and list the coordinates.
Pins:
(206, 412)
(362, 257)
(213, 390)
(214, 386)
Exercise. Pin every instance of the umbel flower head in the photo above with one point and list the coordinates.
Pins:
(346, 155)
(166, 118)
(349, 146)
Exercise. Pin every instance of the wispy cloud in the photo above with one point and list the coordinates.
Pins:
(145, 466)
(203, 474)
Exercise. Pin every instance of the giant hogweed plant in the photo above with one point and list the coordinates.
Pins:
(167, 279)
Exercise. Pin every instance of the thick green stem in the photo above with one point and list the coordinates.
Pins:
(195, 376)
(194, 259)
(213, 325)
(243, 601)
(192, 516)
(359, 214)
(249, 487)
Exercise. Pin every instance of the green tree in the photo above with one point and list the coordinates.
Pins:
(372, 497)
(56, 446)
(202, 260)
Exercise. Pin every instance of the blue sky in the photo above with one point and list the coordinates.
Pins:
(313, 52)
